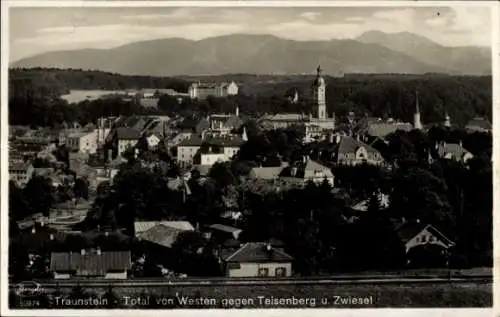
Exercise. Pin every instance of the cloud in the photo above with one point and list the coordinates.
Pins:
(311, 16)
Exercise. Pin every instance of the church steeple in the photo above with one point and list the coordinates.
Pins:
(417, 124)
(319, 89)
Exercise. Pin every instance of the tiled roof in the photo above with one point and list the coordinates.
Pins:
(268, 173)
(258, 252)
(123, 133)
(408, 231)
(91, 263)
(141, 226)
(349, 144)
(225, 228)
(194, 140)
(456, 151)
(307, 170)
(383, 129)
(226, 141)
(163, 233)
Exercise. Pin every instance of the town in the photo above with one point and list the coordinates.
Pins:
(165, 186)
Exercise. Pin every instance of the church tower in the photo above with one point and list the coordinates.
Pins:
(447, 121)
(416, 117)
(319, 89)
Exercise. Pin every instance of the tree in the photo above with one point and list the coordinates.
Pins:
(81, 188)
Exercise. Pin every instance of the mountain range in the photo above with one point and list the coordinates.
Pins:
(371, 52)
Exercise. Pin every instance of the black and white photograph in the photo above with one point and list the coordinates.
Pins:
(247, 155)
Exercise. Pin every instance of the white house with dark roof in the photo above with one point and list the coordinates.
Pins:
(257, 259)
(417, 234)
(126, 138)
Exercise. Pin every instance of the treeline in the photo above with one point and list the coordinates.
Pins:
(62, 80)
(35, 95)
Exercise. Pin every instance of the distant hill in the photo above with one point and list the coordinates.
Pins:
(460, 60)
(265, 54)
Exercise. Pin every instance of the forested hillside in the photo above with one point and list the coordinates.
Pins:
(35, 93)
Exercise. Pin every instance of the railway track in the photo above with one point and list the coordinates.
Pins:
(338, 280)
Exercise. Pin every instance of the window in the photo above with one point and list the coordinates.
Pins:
(263, 271)
(280, 271)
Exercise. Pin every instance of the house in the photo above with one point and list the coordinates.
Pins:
(308, 170)
(203, 90)
(479, 124)
(424, 244)
(453, 151)
(20, 173)
(187, 149)
(257, 259)
(209, 150)
(126, 138)
(352, 151)
(83, 142)
(90, 264)
(363, 205)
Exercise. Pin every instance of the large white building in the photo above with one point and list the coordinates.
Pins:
(85, 142)
(208, 151)
(203, 90)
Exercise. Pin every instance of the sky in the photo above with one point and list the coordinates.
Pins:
(38, 30)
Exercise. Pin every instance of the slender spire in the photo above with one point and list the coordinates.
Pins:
(417, 124)
(319, 70)
(244, 134)
(417, 109)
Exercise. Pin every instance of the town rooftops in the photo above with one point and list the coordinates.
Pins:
(123, 133)
(90, 264)
(258, 252)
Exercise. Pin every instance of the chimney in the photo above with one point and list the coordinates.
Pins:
(110, 154)
(82, 251)
(237, 111)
